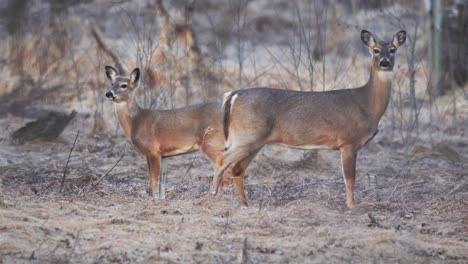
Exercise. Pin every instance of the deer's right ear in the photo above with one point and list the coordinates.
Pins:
(367, 38)
(111, 73)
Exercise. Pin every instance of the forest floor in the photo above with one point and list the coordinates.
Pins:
(411, 204)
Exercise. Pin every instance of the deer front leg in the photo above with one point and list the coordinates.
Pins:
(162, 180)
(154, 166)
(348, 163)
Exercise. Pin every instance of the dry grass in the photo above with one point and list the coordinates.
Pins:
(417, 206)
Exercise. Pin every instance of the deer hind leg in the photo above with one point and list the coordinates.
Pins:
(232, 157)
(213, 150)
(154, 166)
(238, 173)
(348, 163)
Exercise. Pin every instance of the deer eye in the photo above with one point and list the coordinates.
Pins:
(376, 51)
(123, 86)
(392, 50)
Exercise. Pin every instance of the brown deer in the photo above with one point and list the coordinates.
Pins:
(156, 134)
(343, 120)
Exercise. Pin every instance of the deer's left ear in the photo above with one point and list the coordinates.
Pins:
(135, 76)
(399, 38)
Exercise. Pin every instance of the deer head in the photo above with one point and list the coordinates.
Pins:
(383, 53)
(122, 87)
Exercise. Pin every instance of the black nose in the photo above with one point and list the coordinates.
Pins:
(109, 95)
(384, 63)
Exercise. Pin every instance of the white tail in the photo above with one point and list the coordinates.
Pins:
(162, 133)
(341, 119)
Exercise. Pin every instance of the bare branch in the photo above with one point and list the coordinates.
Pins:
(68, 160)
(97, 36)
(107, 173)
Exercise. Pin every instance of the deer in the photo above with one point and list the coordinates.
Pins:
(157, 134)
(343, 120)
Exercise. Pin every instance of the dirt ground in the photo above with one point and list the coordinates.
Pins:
(411, 205)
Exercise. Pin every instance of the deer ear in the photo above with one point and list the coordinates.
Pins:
(367, 38)
(111, 73)
(399, 38)
(135, 76)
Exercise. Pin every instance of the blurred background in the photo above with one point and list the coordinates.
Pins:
(53, 53)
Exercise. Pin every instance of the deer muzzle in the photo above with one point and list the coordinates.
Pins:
(385, 63)
(110, 95)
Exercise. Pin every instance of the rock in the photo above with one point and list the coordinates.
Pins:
(46, 128)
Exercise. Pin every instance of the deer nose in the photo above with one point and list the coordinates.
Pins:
(110, 95)
(384, 62)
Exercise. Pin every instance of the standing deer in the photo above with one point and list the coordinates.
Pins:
(156, 134)
(342, 120)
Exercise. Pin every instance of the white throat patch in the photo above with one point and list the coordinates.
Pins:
(385, 75)
(120, 104)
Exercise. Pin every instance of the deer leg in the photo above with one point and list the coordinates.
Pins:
(239, 173)
(213, 151)
(227, 179)
(348, 163)
(217, 178)
(154, 166)
(231, 157)
(162, 179)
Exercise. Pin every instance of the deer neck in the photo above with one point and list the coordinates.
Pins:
(378, 92)
(126, 112)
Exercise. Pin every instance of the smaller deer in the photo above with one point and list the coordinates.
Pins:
(156, 134)
(343, 120)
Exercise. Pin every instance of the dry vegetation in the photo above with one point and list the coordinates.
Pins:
(412, 186)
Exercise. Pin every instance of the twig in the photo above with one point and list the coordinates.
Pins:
(68, 160)
(374, 223)
(297, 186)
(404, 186)
(243, 253)
(59, 180)
(32, 256)
(182, 183)
(75, 244)
(105, 175)
(172, 192)
(102, 45)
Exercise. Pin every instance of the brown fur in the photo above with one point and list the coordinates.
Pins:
(162, 133)
(342, 119)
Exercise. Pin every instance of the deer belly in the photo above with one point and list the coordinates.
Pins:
(308, 141)
(173, 151)
(306, 146)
